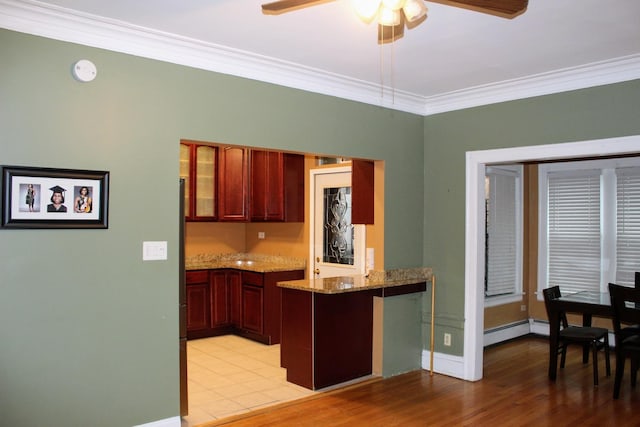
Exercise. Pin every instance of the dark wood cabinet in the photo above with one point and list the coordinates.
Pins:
(226, 301)
(198, 304)
(235, 296)
(277, 186)
(327, 339)
(223, 283)
(239, 184)
(198, 169)
(252, 308)
(362, 190)
(233, 184)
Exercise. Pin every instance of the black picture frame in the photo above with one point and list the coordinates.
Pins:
(34, 197)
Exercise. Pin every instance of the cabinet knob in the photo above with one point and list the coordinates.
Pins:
(316, 271)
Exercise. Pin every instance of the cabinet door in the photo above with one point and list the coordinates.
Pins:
(185, 173)
(233, 184)
(220, 313)
(235, 298)
(267, 186)
(198, 168)
(362, 190)
(205, 181)
(252, 303)
(277, 186)
(294, 187)
(198, 307)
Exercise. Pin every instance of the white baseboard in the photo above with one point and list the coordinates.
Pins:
(453, 366)
(445, 364)
(167, 422)
(509, 332)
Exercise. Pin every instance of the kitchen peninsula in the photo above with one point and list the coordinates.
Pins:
(327, 324)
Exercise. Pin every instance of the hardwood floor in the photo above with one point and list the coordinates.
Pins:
(515, 391)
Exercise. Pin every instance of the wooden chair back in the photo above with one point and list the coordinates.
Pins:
(625, 304)
(550, 294)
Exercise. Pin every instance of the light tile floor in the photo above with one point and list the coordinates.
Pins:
(231, 375)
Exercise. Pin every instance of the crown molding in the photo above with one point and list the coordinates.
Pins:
(41, 19)
(580, 77)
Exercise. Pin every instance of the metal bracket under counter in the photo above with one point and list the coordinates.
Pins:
(412, 288)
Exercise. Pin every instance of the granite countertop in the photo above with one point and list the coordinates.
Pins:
(248, 262)
(374, 280)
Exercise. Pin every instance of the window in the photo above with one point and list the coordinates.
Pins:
(503, 227)
(628, 224)
(589, 231)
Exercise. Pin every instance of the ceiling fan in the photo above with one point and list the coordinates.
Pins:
(390, 30)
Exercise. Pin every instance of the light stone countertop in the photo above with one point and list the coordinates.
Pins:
(248, 262)
(375, 280)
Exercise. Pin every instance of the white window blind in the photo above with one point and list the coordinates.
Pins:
(573, 230)
(502, 263)
(628, 224)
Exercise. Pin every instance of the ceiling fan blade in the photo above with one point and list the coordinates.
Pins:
(282, 6)
(503, 8)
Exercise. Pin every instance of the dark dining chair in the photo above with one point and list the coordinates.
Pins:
(594, 337)
(626, 311)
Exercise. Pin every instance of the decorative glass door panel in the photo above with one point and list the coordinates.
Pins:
(205, 180)
(185, 173)
(337, 246)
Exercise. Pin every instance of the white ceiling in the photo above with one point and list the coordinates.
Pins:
(456, 58)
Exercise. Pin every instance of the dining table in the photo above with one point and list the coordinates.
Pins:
(586, 303)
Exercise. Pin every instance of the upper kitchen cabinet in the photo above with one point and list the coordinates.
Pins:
(277, 186)
(233, 184)
(362, 190)
(198, 169)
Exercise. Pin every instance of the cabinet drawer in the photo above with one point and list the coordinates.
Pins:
(199, 276)
(252, 278)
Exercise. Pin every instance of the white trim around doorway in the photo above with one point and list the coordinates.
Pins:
(474, 226)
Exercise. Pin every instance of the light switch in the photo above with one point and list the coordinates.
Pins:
(154, 251)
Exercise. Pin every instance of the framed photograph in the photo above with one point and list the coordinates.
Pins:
(54, 198)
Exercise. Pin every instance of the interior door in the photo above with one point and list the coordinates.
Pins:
(337, 245)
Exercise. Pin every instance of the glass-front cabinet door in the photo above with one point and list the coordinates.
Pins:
(185, 173)
(198, 168)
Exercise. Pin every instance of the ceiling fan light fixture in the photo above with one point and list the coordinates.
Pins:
(389, 17)
(366, 9)
(393, 4)
(414, 10)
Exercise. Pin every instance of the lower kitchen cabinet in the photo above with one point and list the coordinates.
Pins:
(229, 301)
(252, 308)
(223, 283)
(198, 304)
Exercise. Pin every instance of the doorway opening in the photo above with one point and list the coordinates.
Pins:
(476, 162)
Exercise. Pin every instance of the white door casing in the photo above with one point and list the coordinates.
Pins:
(476, 162)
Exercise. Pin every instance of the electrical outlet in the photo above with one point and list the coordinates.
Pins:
(523, 307)
(447, 339)
(261, 235)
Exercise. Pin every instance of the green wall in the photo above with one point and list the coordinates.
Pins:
(594, 113)
(89, 332)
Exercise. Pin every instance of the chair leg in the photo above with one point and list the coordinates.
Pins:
(563, 356)
(619, 373)
(594, 346)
